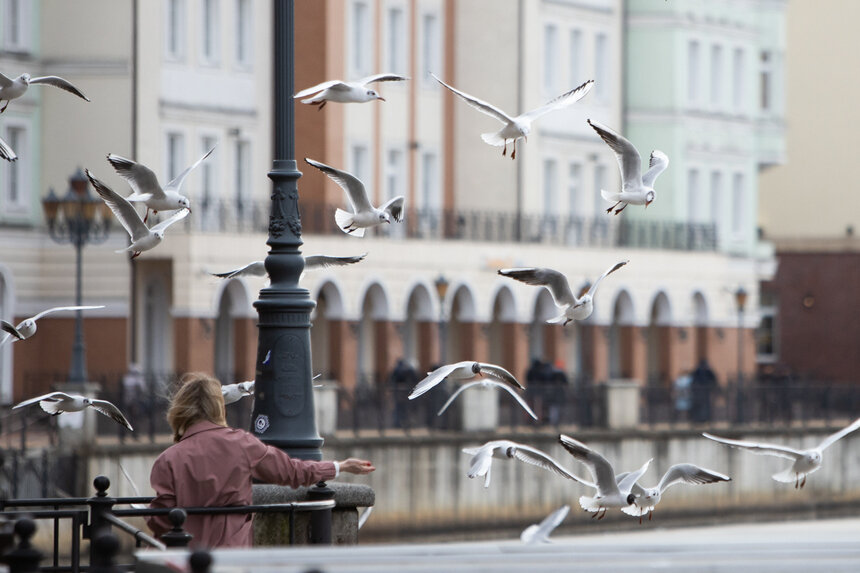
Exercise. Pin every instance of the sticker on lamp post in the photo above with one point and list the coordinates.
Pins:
(261, 424)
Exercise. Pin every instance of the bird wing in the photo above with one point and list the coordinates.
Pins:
(516, 396)
(626, 154)
(593, 288)
(122, 209)
(635, 489)
(840, 434)
(543, 460)
(111, 411)
(178, 216)
(478, 104)
(691, 474)
(756, 448)
(255, 269)
(456, 393)
(319, 88)
(560, 102)
(395, 207)
(500, 373)
(11, 329)
(365, 515)
(5, 82)
(53, 396)
(600, 468)
(175, 183)
(627, 483)
(59, 82)
(354, 188)
(62, 308)
(324, 261)
(6, 151)
(381, 78)
(140, 178)
(552, 279)
(659, 163)
(539, 533)
(434, 378)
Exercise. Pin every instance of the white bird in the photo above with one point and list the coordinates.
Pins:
(346, 92)
(56, 403)
(143, 238)
(312, 262)
(236, 391)
(365, 515)
(573, 308)
(636, 189)
(539, 532)
(364, 214)
(648, 497)
(610, 493)
(27, 327)
(482, 459)
(519, 126)
(463, 371)
(805, 461)
(489, 384)
(6, 151)
(146, 188)
(133, 488)
(13, 89)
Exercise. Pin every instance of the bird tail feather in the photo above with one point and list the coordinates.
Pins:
(608, 196)
(588, 503)
(528, 536)
(50, 407)
(139, 197)
(493, 138)
(346, 220)
(560, 319)
(786, 476)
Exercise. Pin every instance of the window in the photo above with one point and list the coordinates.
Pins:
(694, 197)
(208, 185)
(361, 34)
(209, 32)
(766, 333)
(599, 183)
(738, 207)
(360, 164)
(15, 25)
(716, 197)
(739, 75)
(575, 52)
(550, 57)
(693, 66)
(175, 149)
(716, 76)
(14, 183)
(430, 54)
(550, 198)
(574, 188)
(766, 81)
(394, 180)
(601, 67)
(175, 29)
(244, 33)
(430, 196)
(396, 41)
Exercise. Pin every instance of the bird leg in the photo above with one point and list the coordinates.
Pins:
(602, 515)
(593, 515)
(650, 514)
(803, 483)
(514, 153)
(505, 148)
(5, 106)
(613, 207)
(796, 481)
(321, 105)
(136, 254)
(640, 519)
(146, 215)
(620, 209)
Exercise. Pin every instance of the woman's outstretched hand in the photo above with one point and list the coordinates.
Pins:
(356, 466)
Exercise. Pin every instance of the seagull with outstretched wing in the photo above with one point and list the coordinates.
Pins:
(482, 460)
(346, 92)
(14, 88)
(539, 532)
(648, 497)
(488, 383)
(56, 403)
(27, 327)
(463, 371)
(258, 268)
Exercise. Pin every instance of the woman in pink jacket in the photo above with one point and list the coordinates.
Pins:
(212, 464)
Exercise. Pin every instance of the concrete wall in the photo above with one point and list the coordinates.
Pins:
(421, 483)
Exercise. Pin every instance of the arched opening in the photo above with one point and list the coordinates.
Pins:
(230, 341)
(460, 344)
(418, 329)
(700, 327)
(502, 330)
(621, 338)
(325, 334)
(372, 336)
(542, 335)
(156, 326)
(658, 341)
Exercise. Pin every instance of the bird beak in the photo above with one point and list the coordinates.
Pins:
(388, 221)
(380, 98)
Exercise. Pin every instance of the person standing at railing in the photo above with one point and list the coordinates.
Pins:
(212, 465)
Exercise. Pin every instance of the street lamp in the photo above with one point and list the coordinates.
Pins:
(77, 218)
(441, 285)
(740, 301)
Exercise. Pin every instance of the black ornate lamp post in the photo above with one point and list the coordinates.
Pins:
(740, 301)
(441, 285)
(284, 407)
(77, 218)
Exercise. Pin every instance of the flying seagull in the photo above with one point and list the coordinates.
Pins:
(488, 383)
(364, 214)
(6, 151)
(610, 493)
(236, 391)
(647, 498)
(636, 189)
(142, 237)
(146, 188)
(804, 461)
(13, 89)
(482, 459)
(539, 532)
(463, 371)
(574, 308)
(346, 92)
(519, 126)
(56, 403)
(312, 262)
(27, 327)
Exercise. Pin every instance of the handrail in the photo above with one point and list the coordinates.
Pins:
(66, 501)
(268, 508)
(135, 532)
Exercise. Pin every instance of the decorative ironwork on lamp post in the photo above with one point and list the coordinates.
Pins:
(284, 404)
(79, 219)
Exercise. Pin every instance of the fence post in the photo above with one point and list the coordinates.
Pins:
(99, 506)
(321, 518)
(24, 558)
(177, 537)
(200, 561)
(103, 551)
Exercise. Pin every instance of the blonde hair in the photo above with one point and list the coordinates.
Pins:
(198, 399)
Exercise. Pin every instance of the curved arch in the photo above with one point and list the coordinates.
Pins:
(419, 303)
(700, 309)
(623, 312)
(621, 337)
(504, 306)
(659, 325)
(501, 333)
(700, 327)
(463, 302)
(240, 297)
(377, 297)
(661, 310)
(333, 308)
